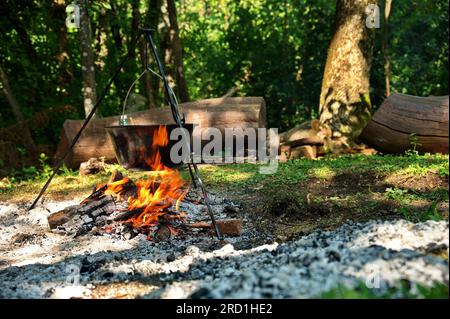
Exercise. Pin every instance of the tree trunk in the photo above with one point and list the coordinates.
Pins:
(147, 80)
(58, 15)
(87, 60)
(344, 101)
(166, 48)
(27, 139)
(153, 20)
(101, 50)
(387, 62)
(177, 52)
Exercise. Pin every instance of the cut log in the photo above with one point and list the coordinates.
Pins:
(284, 153)
(124, 214)
(127, 189)
(221, 113)
(311, 140)
(405, 122)
(163, 233)
(77, 219)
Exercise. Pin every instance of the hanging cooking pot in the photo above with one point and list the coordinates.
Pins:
(134, 145)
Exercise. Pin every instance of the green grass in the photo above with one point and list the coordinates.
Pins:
(298, 176)
(404, 197)
(291, 172)
(295, 171)
(437, 291)
(67, 183)
(293, 177)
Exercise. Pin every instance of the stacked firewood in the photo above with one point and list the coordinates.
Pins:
(304, 140)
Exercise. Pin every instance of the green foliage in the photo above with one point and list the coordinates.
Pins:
(270, 48)
(418, 50)
(404, 198)
(43, 171)
(275, 49)
(396, 193)
(414, 142)
(430, 214)
(46, 169)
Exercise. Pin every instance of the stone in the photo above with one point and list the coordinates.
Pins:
(92, 166)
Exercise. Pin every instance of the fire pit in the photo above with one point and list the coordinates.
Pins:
(132, 149)
(152, 206)
(161, 206)
(144, 203)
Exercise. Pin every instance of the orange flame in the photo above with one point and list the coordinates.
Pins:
(160, 191)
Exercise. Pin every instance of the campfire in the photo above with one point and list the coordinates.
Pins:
(151, 206)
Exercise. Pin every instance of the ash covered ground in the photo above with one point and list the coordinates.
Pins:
(37, 263)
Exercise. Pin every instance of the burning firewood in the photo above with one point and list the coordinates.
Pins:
(151, 206)
(76, 219)
(97, 194)
(120, 188)
(124, 214)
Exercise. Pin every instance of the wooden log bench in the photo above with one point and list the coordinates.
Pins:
(221, 113)
(405, 122)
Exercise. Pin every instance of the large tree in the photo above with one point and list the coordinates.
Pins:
(177, 51)
(173, 49)
(384, 47)
(344, 101)
(136, 24)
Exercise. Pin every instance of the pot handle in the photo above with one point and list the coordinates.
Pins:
(134, 83)
(129, 90)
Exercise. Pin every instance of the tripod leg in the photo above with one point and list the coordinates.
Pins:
(206, 199)
(178, 120)
(192, 175)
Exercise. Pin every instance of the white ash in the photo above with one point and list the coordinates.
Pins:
(36, 263)
(376, 252)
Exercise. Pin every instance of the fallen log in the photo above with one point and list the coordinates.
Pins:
(312, 140)
(221, 113)
(405, 122)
